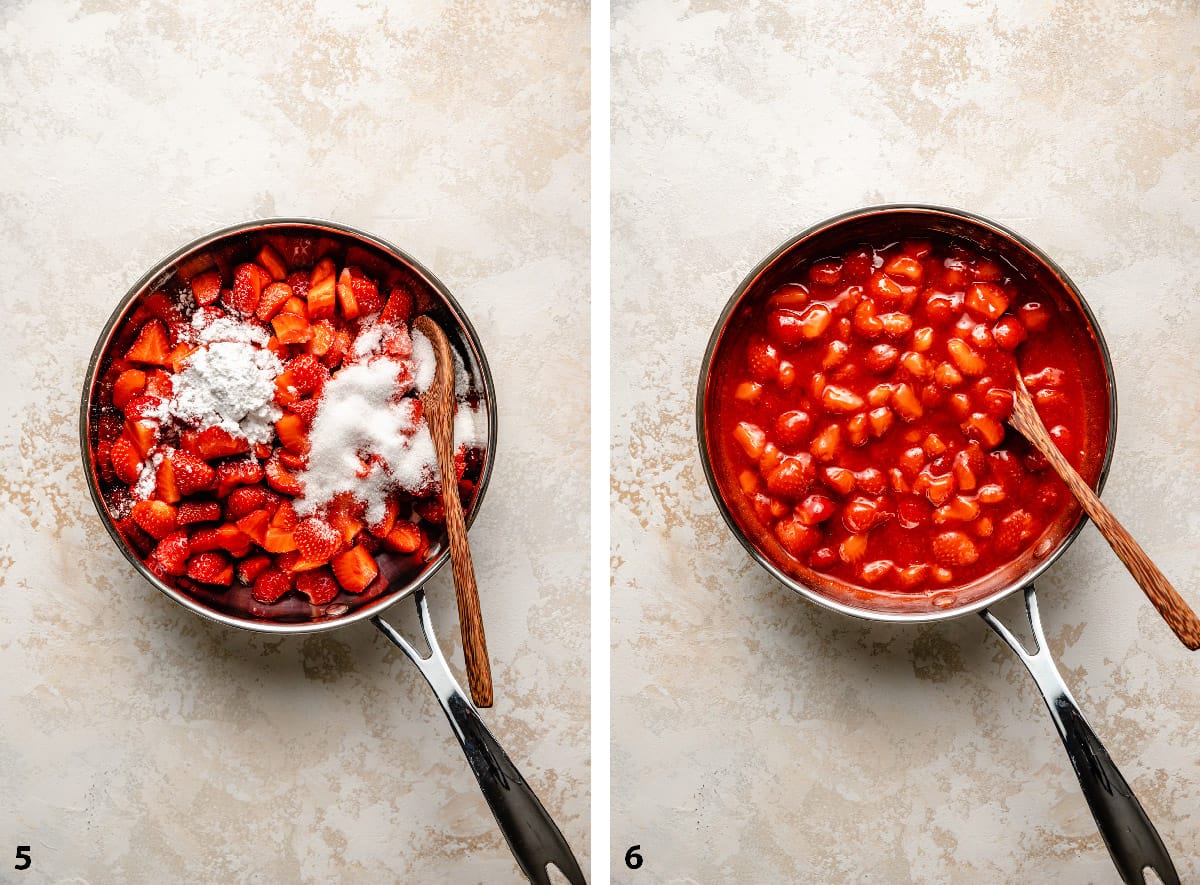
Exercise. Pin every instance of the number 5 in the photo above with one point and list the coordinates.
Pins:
(23, 857)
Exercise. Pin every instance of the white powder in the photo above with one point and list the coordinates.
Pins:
(229, 382)
(143, 488)
(363, 417)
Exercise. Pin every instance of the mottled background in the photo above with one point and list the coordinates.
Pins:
(758, 738)
(139, 743)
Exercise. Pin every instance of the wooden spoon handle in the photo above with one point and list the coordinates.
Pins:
(1164, 597)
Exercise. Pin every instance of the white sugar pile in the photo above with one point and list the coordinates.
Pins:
(229, 382)
(364, 419)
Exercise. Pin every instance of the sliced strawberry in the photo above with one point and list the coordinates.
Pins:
(355, 569)
(254, 525)
(298, 281)
(172, 553)
(271, 585)
(399, 307)
(292, 433)
(278, 540)
(317, 540)
(211, 567)
(285, 516)
(150, 346)
(237, 473)
(307, 373)
(405, 537)
(344, 514)
(347, 302)
(192, 475)
(215, 442)
(247, 499)
(250, 568)
(126, 462)
(290, 460)
(224, 537)
(248, 282)
(291, 328)
(793, 477)
(322, 290)
(294, 561)
(431, 510)
(206, 287)
(157, 518)
(166, 488)
(281, 480)
(271, 261)
(158, 383)
(366, 293)
(129, 384)
(199, 511)
(321, 338)
(272, 300)
(384, 526)
(338, 349)
(1013, 531)
(306, 409)
(954, 549)
(179, 356)
(318, 585)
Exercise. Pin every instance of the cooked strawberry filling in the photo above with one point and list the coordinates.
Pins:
(857, 423)
(261, 429)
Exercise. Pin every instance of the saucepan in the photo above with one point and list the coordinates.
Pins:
(532, 835)
(1131, 838)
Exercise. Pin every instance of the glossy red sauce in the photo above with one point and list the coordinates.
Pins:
(856, 416)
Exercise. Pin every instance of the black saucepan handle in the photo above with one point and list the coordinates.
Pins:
(1132, 841)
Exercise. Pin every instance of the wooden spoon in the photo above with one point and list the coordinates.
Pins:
(438, 403)
(1153, 582)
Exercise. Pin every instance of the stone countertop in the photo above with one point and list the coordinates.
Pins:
(139, 743)
(759, 738)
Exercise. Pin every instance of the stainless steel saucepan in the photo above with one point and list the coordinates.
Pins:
(532, 835)
(1128, 833)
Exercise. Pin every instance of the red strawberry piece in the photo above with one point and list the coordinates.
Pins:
(272, 300)
(1048, 496)
(793, 477)
(308, 375)
(157, 518)
(344, 514)
(104, 460)
(271, 261)
(397, 342)
(338, 349)
(248, 281)
(293, 561)
(192, 475)
(355, 569)
(237, 473)
(143, 435)
(206, 287)
(199, 511)
(954, 549)
(172, 553)
(384, 526)
(400, 306)
(247, 499)
(815, 509)
(160, 306)
(142, 407)
(298, 280)
(150, 346)
(215, 442)
(1013, 531)
(306, 410)
(318, 585)
(211, 567)
(281, 480)
(158, 383)
(129, 384)
(861, 514)
(317, 540)
(255, 525)
(165, 487)
(796, 537)
(366, 293)
(290, 460)
(271, 585)
(431, 510)
(292, 433)
(285, 517)
(138, 539)
(762, 358)
(405, 537)
(109, 427)
(126, 462)
(251, 567)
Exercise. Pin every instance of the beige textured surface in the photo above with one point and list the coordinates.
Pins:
(759, 738)
(139, 743)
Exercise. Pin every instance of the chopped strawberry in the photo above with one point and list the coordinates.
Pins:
(126, 462)
(254, 525)
(317, 540)
(292, 433)
(271, 585)
(192, 475)
(211, 567)
(295, 562)
(400, 306)
(338, 349)
(150, 346)
(172, 553)
(129, 384)
(364, 290)
(793, 477)
(247, 499)
(346, 299)
(158, 383)
(318, 585)
(405, 537)
(271, 261)
(248, 282)
(291, 328)
(306, 410)
(157, 518)
(344, 514)
(322, 290)
(954, 549)
(281, 480)
(384, 526)
(431, 510)
(199, 511)
(290, 460)
(298, 281)
(279, 540)
(355, 569)
(215, 442)
(232, 474)
(762, 358)
(1013, 531)
(307, 374)
(250, 568)
(206, 287)
(166, 488)
(272, 300)
(321, 337)
(285, 516)
(143, 407)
